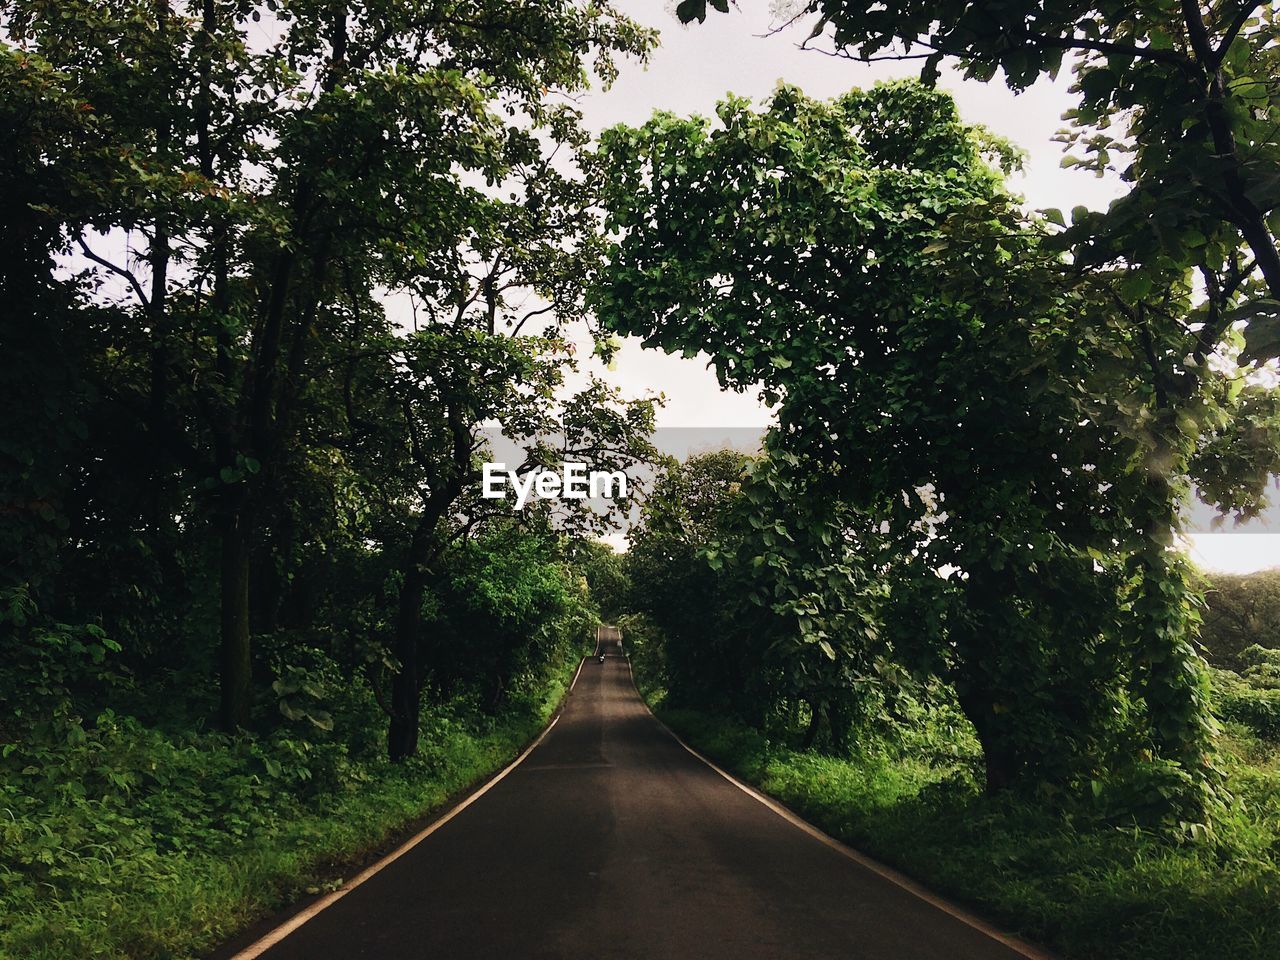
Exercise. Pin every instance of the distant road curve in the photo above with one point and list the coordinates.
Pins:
(610, 840)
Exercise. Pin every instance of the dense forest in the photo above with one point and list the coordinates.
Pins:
(274, 273)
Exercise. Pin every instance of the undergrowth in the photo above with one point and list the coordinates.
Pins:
(119, 840)
(1090, 889)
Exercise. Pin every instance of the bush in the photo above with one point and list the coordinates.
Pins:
(1242, 610)
(119, 840)
(643, 643)
(1086, 885)
(1251, 697)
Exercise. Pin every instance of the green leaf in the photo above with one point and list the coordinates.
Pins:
(1262, 335)
(1097, 83)
(690, 10)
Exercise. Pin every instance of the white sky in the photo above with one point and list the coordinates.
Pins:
(696, 66)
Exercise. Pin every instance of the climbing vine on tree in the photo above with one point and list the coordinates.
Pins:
(961, 385)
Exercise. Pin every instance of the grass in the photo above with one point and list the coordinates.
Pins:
(1087, 889)
(155, 863)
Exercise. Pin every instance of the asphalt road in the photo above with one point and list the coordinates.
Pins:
(611, 841)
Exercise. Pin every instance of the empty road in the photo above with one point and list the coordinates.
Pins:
(611, 841)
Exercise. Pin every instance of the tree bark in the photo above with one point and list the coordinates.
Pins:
(495, 693)
(978, 692)
(839, 725)
(406, 685)
(1001, 763)
(815, 720)
(1239, 208)
(235, 660)
(234, 647)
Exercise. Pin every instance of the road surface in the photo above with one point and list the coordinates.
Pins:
(610, 841)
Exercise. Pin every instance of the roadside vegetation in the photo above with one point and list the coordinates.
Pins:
(942, 610)
(1083, 882)
(130, 831)
(1101, 873)
(170, 844)
(275, 273)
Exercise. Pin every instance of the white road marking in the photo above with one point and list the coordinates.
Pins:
(269, 940)
(1020, 947)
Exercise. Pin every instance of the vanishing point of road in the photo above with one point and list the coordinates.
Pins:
(610, 841)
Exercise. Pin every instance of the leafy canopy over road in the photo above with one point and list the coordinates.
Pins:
(1180, 99)
(987, 405)
(216, 402)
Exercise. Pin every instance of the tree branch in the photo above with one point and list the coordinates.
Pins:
(117, 270)
(1216, 321)
(1198, 34)
(1171, 57)
(1233, 31)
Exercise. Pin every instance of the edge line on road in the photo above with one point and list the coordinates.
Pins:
(901, 880)
(274, 936)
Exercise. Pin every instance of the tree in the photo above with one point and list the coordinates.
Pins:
(674, 585)
(757, 584)
(605, 573)
(416, 441)
(1241, 611)
(861, 260)
(272, 189)
(472, 362)
(1188, 94)
(808, 632)
(413, 434)
(54, 153)
(508, 604)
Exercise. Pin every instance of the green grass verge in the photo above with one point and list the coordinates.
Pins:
(95, 879)
(1086, 889)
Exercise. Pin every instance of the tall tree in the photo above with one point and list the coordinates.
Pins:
(1180, 98)
(292, 160)
(861, 260)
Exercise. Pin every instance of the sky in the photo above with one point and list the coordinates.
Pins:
(696, 66)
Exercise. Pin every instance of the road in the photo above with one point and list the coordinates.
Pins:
(612, 841)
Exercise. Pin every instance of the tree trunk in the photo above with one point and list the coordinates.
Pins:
(159, 256)
(839, 725)
(815, 720)
(1001, 761)
(495, 692)
(406, 689)
(982, 639)
(235, 660)
(406, 685)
